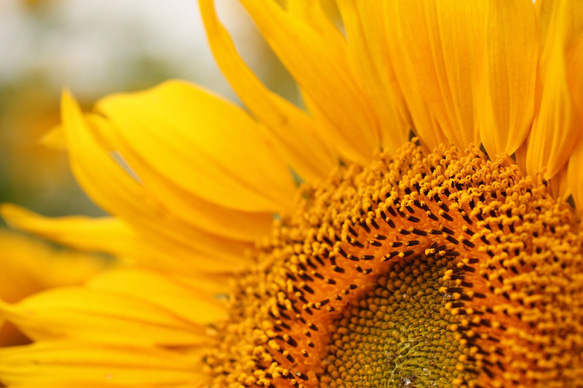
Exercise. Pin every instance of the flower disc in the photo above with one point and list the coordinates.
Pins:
(427, 269)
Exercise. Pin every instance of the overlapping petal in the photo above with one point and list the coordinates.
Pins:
(77, 313)
(575, 80)
(106, 234)
(506, 78)
(184, 204)
(441, 41)
(296, 134)
(120, 193)
(369, 51)
(30, 266)
(116, 237)
(95, 364)
(322, 70)
(229, 162)
(118, 306)
(558, 124)
(466, 69)
(195, 303)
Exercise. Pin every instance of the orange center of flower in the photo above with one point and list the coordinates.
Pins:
(426, 269)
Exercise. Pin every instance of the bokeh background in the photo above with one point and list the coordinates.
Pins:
(94, 48)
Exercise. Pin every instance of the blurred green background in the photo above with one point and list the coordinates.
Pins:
(97, 47)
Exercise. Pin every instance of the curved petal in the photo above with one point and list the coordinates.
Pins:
(121, 194)
(29, 265)
(95, 315)
(558, 125)
(369, 50)
(326, 78)
(575, 176)
(75, 364)
(505, 86)
(575, 79)
(296, 134)
(439, 44)
(180, 202)
(193, 304)
(109, 235)
(229, 162)
(424, 124)
(547, 16)
(116, 237)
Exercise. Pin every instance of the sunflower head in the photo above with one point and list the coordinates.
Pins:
(433, 269)
(434, 240)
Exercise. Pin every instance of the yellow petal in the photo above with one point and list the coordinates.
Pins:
(203, 214)
(121, 194)
(312, 14)
(575, 176)
(575, 71)
(506, 80)
(559, 185)
(327, 78)
(29, 265)
(180, 202)
(369, 51)
(296, 134)
(116, 237)
(84, 233)
(575, 79)
(547, 16)
(190, 303)
(203, 144)
(544, 9)
(438, 43)
(424, 124)
(95, 315)
(558, 124)
(211, 284)
(73, 364)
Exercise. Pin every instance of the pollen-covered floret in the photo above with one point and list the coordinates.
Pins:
(432, 269)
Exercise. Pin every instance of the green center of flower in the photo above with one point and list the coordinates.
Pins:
(425, 269)
(400, 333)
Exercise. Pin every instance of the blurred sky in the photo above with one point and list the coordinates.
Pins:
(97, 47)
(93, 46)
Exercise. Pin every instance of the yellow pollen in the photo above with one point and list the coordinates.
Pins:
(427, 269)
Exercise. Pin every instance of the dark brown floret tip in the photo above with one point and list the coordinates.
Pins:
(427, 269)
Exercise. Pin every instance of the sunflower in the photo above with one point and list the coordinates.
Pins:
(417, 224)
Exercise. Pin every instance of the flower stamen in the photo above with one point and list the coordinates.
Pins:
(489, 247)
